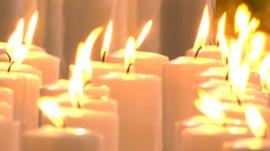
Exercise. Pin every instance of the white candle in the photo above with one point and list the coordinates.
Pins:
(139, 100)
(61, 139)
(178, 91)
(26, 92)
(6, 103)
(146, 62)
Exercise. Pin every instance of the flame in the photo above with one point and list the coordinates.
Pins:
(255, 121)
(14, 46)
(146, 29)
(107, 39)
(265, 72)
(257, 47)
(82, 71)
(242, 17)
(222, 39)
(31, 29)
(52, 110)
(210, 106)
(130, 52)
(203, 30)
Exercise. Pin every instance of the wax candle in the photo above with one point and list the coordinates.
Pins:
(178, 91)
(9, 135)
(6, 103)
(208, 51)
(26, 92)
(139, 100)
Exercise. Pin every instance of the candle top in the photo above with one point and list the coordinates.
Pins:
(192, 60)
(85, 113)
(254, 144)
(4, 75)
(129, 76)
(23, 68)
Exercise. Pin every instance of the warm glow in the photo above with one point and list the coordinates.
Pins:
(14, 46)
(82, 71)
(107, 39)
(210, 106)
(52, 110)
(31, 29)
(146, 29)
(242, 17)
(130, 52)
(257, 47)
(255, 121)
(265, 72)
(203, 30)
(222, 39)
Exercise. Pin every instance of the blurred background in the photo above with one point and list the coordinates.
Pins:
(64, 23)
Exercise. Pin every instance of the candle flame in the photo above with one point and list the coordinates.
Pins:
(146, 29)
(242, 18)
(130, 52)
(209, 106)
(257, 48)
(82, 71)
(265, 72)
(52, 110)
(31, 29)
(203, 30)
(222, 39)
(256, 122)
(107, 39)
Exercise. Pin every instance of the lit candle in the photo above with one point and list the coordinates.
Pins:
(139, 100)
(59, 138)
(146, 62)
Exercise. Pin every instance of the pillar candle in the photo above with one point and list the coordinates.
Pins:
(248, 144)
(61, 86)
(146, 62)
(208, 51)
(139, 101)
(208, 137)
(26, 92)
(179, 92)
(49, 138)
(6, 103)
(9, 135)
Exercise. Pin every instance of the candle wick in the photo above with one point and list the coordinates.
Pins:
(227, 60)
(104, 56)
(10, 65)
(129, 68)
(78, 103)
(86, 83)
(64, 123)
(217, 43)
(7, 54)
(227, 76)
(239, 101)
(197, 52)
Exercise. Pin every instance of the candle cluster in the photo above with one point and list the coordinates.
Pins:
(214, 98)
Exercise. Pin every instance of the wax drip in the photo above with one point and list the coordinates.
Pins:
(129, 68)
(10, 65)
(197, 52)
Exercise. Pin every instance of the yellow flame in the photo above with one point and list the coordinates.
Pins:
(265, 72)
(203, 30)
(222, 39)
(257, 47)
(130, 52)
(82, 71)
(242, 17)
(107, 39)
(146, 29)
(256, 122)
(52, 110)
(31, 29)
(14, 46)
(210, 106)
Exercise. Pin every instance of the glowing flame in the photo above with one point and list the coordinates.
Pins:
(52, 110)
(255, 121)
(14, 46)
(265, 72)
(82, 71)
(210, 106)
(31, 29)
(222, 39)
(107, 39)
(146, 29)
(242, 18)
(130, 52)
(203, 30)
(257, 47)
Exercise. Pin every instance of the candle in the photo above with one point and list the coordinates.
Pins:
(6, 103)
(59, 138)
(146, 62)
(9, 135)
(26, 92)
(258, 127)
(178, 91)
